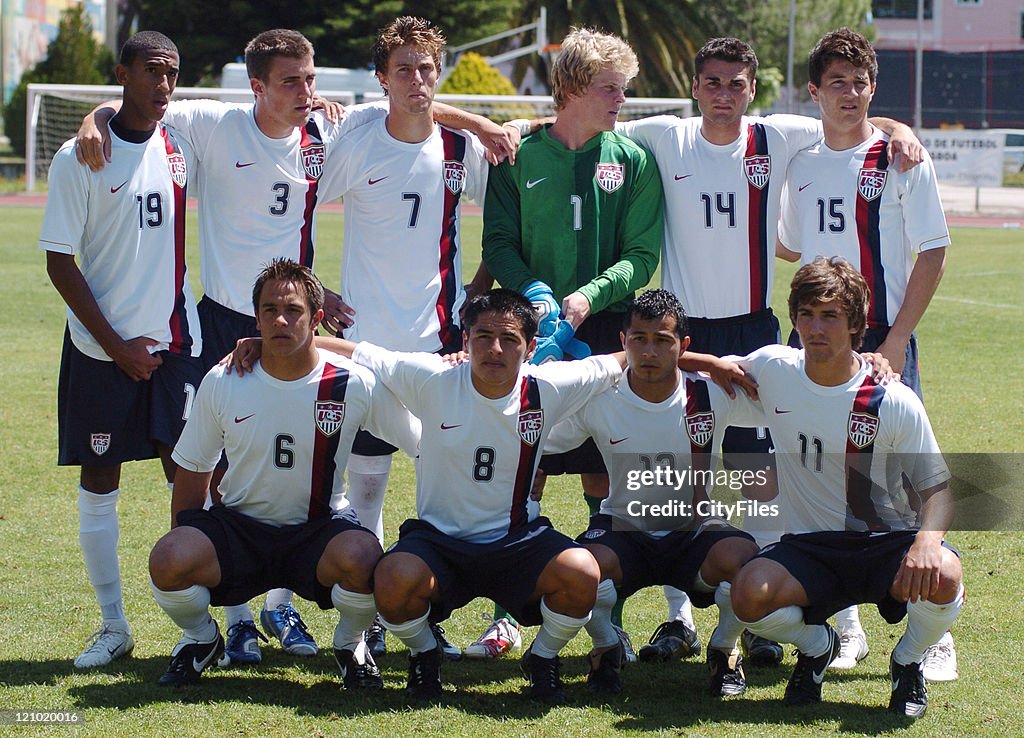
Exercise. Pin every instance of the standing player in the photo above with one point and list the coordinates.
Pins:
(844, 198)
(283, 519)
(658, 417)
(579, 217)
(844, 446)
(129, 367)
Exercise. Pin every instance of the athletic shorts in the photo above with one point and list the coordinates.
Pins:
(256, 557)
(842, 568)
(505, 571)
(673, 559)
(105, 418)
(222, 327)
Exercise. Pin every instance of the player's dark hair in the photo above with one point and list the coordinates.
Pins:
(503, 302)
(403, 31)
(142, 42)
(276, 42)
(845, 45)
(727, 50)
(825, 280)
(286, 270)
(655, 305)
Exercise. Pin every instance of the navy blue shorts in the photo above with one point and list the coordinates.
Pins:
(673, 559)
(505, 571)
(257, 557)
(105, 418)
(842, 568)
(222, 327)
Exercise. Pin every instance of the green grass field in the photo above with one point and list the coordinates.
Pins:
(974, 390)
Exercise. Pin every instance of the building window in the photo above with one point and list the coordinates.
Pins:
(899, 9)
(968, 2)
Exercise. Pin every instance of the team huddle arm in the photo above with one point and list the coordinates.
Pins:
(905, 145)
(92, 142)
(924, 280)
(503, 234)
(501, 142)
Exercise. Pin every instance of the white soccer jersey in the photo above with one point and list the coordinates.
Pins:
(841, 451)
(402, 264)
(853, 204)
(722, 207)
(126, 227)
(479, 456)
(288, 441)
(257, 194)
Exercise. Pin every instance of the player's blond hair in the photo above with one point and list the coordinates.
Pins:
(273, 43)
(585, 53)
(408, 30)
(825, 280)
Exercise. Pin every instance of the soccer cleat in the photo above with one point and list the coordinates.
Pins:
(726, 673)
(606, 669)
(243, 644)
(673, 639)
(804, 686)
(500, 637)
(375, 637)
(760, 651)
(425, 674)
(188, 659)
(286, 625)
(105, 645)
(358, 669)
(939, 662)
(909, 693)
(450, 651)
(853, 648)
(628, 654)
(545, 678)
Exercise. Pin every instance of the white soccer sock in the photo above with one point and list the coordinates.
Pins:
(599, 627)
(234, 614)
(367, 483)
(848, 619)
(356, 611)
(277, 597)
(679, 607)
(729, 628)
(189, 608)
(555, 631)
(927, 622)
(97, 536)
(786, 625)
(413, 633)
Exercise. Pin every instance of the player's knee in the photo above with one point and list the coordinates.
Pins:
(398, 577)
(349, 560)
(751, 600)
(727, 557)
(575, 572)
(171, 560)
(951, 577)
(607, 561)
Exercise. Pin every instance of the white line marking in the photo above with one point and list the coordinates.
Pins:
(964, 301)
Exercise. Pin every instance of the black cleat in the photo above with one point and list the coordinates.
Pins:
(545, 678)
(673, 639)
(188, 660)
(726, 674)
(375, 637)
(909, 693)
(804, 686)
(358, 670)
(425, 674)
(450, 651)
(606, 669)
(760, 651)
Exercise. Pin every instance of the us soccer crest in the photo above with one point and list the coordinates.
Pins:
(531, 423)
(700, 427)
(870, 183)
(313, 160)
(329, 415)
(863, 428)
(454, 176)
(758, 169)
(100, 443)
(609, 177)
(176, 163)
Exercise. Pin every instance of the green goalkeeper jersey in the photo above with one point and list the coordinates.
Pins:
(589, 220)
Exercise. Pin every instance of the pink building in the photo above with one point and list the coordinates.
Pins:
(954, 26)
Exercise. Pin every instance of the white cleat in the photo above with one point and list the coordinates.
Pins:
(853, 648)
(939, 662)
(500, 638)
(108, 643)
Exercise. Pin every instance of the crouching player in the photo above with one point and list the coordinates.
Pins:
(659, 416)
(844, 446)
(283, 520)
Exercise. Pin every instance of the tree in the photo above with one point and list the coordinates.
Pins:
(73, 57)
(472, 75)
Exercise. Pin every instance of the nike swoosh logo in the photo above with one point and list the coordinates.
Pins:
(449, 427)
(115, 189)
(198, 665)
(682, 177)
(819, 676)
(530, 184)
(240, 165)
(372, 182)
(804, 187)
(242, 420)
(614, 441)
(782, 412)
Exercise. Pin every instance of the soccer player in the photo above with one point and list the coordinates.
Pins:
(843, 447)
(579, 217)
(115, 251)
(283, 519)
(659, 417)
(844, 198)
